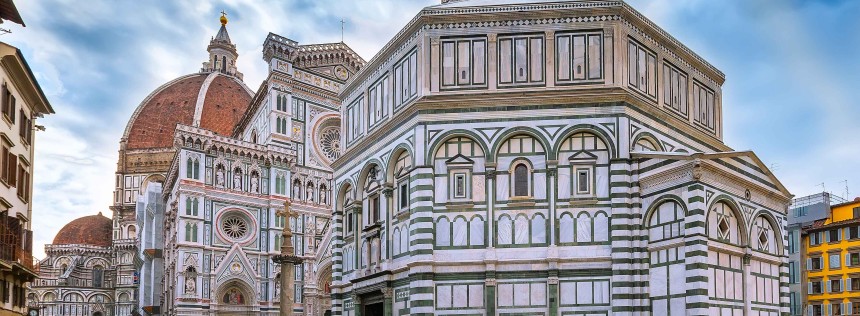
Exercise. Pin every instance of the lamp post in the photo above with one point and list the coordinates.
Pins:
(287, 259)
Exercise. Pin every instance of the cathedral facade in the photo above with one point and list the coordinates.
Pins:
(548, 158)
(209, 240)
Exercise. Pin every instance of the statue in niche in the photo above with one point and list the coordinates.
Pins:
(219, 176)
(296, 190)
(190, 285)
(255, 182)
(237, 180)
(323, 194)
(310, 193)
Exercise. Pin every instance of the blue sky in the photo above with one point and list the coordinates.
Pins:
(790, 91)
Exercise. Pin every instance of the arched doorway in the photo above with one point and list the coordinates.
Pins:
(235, 298)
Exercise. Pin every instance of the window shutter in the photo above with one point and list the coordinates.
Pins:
(809, 264)
(847, 259)
(839, 234)
(828, 286)
(809, 310)
(848, 308)
(809, 291)
(4, 100)
(827, 236)
(13, 169)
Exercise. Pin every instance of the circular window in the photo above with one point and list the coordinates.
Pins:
(234, 226)
(329, 140)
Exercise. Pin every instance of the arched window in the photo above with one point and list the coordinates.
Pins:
(521, 230)
(538, 229)
(460, 232)
(565, 228)
(521, 180)
(505, 230)
(601, 227)
(189, 168)
(187, 232)
(443, 232)
(364, 255)
(583, 227)
(666, 222)
(395, 242)
(723, 225)
(132, 232)
(764, 236)
(476, 231)
(645, 144)
(98, 276)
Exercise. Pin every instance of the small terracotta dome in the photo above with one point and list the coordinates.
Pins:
(212, 101)
(94, 230)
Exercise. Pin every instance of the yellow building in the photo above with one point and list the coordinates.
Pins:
(833, 262)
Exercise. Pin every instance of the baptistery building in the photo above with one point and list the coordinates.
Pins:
(517, 157)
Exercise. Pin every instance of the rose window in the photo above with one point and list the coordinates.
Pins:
(329, 140)
(235, 227)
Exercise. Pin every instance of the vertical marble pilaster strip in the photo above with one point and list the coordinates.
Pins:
(388, 305)
(549, 57)
(696, 251)
(490, 293)
(434, 64)
(492, 53)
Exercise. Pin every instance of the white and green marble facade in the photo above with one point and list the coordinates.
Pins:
(632, 204)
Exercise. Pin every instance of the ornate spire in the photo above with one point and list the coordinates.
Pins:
(222, 52)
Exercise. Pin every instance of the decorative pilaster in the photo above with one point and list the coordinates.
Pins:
(388, 305)
(696, 249)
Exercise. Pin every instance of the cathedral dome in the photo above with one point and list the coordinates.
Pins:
(213, 101)
(94, 230)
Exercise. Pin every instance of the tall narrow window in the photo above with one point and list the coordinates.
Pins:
(459, 185)
(521, 181)
(374, 210)
(448, 70)
(703, 102)
(582, 180)
(404, 195)
(98, 276)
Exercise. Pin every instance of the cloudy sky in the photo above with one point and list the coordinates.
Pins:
(791, 72)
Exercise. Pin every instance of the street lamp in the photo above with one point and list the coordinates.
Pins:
(287, 259)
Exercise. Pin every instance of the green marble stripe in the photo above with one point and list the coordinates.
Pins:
(696, 187)
(630, 284)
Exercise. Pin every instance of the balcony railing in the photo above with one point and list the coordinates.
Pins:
(16, 242)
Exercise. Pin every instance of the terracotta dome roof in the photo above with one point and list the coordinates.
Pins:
(212, 101)
(94, 230)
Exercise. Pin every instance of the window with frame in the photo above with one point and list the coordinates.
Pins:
(521, 180)
(854, 284)
(815, 263)
(281, 102)
(191, 206)
(833, 235)
(852, 232)
(852, 259)
(10, 166)
(791, 244)
(25, 129)
(353, 119)
(856, 212)
(373, 205)
(816, 309)
(816, 287)
(815, 238)
(23, 183)
(674, 89)
(379, 101)
(521, 59)
(835, 262)
(8, 106)
(350, 222)
(792, 272)
(281, 125)
(403, 194)
(460, 189)
(464, 62)
(582, 180)
(836, 308)
(406, 79)
(641, 68)
(703, 102)
(579, 56)
(834, 286)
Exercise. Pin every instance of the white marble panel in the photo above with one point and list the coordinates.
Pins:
(584, 293)
(461, 296)
(460, 232)
(538, 294)
(476, 295)
(443, 296)
(506, 294)
(567, 293)
(521, 294)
